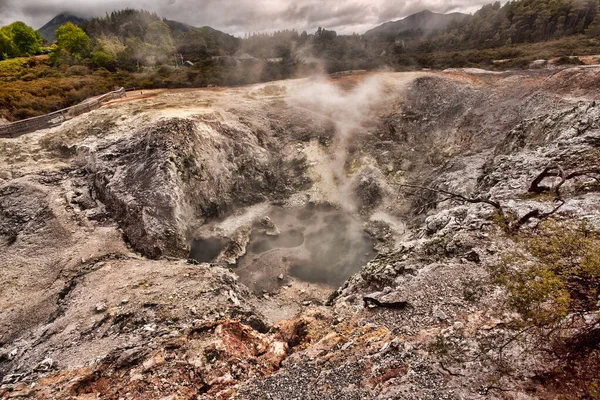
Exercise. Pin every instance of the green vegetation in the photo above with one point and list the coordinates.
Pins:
(553, 280)
(18, 39)
(31, 87)
(73, 39)
(518, 56)
(523, 21)
(102, 59)
(556, 273)
(594, 29)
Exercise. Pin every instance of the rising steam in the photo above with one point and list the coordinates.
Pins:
(348, 110)
(320, 243)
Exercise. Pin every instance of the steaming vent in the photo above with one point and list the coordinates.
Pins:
(318, 244)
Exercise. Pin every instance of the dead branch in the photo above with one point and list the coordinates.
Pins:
(494, 204)
(431, 203)
(557, 171)
(576, 174)
(582, 172)
(535, 187)
(550, 171)
(475, 200)
(537, 214)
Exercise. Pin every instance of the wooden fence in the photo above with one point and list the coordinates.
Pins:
(24, 126)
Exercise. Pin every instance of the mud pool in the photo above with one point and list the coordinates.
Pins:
(317, 244)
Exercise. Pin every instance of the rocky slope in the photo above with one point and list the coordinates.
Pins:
(98, 216)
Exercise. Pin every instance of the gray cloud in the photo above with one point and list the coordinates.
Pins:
(240, 16)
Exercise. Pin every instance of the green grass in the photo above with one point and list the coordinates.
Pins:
(10, 68)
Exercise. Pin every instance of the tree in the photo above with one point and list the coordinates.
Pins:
(159, 42)
(74, 40)
(19, 40)
(194, 45)
(27, 41)
(594, 29)
(159, 34)
(102, 59)
(7, 47)
(134, 55)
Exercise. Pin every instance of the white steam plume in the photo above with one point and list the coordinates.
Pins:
(349, 110)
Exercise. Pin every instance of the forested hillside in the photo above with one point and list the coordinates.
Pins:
(520, 21)
(520, 31)
(423, 21)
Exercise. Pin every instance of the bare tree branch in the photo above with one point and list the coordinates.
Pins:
(557, 171)
(495, 204)
(535, 187)
(576, 174)
(537, 214)
(583, 172)
(550, 171)
(431, 203)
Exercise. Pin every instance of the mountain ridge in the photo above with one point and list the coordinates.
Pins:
(425, 20)
(49, 28)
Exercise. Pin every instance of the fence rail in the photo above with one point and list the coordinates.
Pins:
(24, 126)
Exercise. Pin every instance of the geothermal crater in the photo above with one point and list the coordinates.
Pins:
(316, 233)
(276, 238)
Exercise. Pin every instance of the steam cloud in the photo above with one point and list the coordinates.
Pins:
(348, 110)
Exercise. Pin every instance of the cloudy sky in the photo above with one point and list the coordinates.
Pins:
(240, 16)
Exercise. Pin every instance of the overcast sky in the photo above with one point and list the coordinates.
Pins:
(240, 16)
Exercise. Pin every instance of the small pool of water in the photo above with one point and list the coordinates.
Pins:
(207, 249)
(317, 245)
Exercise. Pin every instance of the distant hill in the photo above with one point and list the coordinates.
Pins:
(225, 41)
(178, 27)
(425, 20)
(51, 26)
(136, 21)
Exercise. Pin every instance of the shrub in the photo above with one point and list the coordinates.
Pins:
(24, 113)
(102, 72)
(102, 59)
(553, 281)
(557, 272)
(78, 70)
